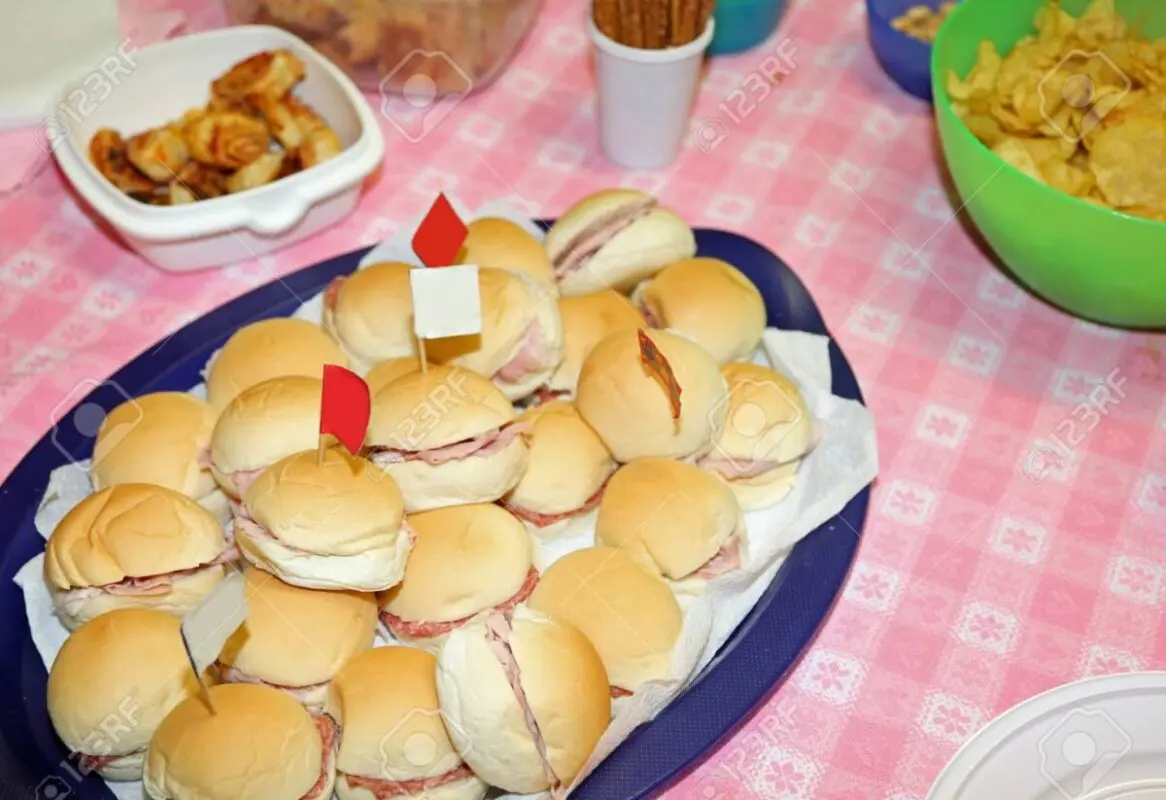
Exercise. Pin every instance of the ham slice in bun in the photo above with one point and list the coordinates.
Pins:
(526, 699)
(395, 745)
(446, 437)
(258, 744)
(467, 559)
(615, 239)
(134, 545)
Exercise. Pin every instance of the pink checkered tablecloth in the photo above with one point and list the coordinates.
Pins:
(990, 569)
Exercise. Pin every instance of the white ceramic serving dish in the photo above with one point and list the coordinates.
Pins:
(1097, 739)
(164, 81)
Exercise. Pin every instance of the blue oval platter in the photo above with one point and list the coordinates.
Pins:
(34, 764)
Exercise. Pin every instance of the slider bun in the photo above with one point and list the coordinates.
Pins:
(477, 479)
(628, 405)
(299, 637)
(268, 349)
(113, 682)
(672, 515)
(635, 253)
(767, 417)
(393, 729)
(466, 559)
(623, 608)
(766, 489)
(511, 303)
(710, 302)
(156, 438)
(425, 411)
(587, 319)
(265, 423)
(260, 744)
(565, 686)
(501, 244)
(388, 371)
(341, 505)
(373, 315)
(568, 461)
(131, 530)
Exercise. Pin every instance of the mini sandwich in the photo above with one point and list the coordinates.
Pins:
(296, 640)
(629, 407)
(257, 744)
(500, 244)
(468, 559)
(270, 348)
(526, 699)
(134, 545)
(521, 342)
(394, 744)
(265, 423)
(330, 523)
(587, 320)
(389, 370)
(162, 438)
(112, 683)
(370, 313)
(446, 437)
(676, 518)
(768, 431)
(567, 471)
(615, 239)
(708, 301)
(623, 608)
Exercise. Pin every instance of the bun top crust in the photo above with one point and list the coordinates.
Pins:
(621, 605)
(628, 405)
(501, 244)
(711, 302)
(466, 559)
(127, 664)
(568, 461)
(587, 211)
(669, 514)
(267, 349)
(424, 411)
(587, 319)
(267, 422)
(373, 313)
(768, 419)
(259, 745)
(156, 438)
(342, 506)
(132, 530)
(389, 370)
(299, 637)
(385, 719)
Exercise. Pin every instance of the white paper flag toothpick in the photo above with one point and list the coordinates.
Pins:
(446, 301)
(206, 628)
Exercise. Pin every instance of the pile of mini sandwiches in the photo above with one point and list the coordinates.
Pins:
(549, 419)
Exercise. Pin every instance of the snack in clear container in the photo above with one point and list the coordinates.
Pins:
(458, 45)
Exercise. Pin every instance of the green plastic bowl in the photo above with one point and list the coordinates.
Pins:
(1090, 261)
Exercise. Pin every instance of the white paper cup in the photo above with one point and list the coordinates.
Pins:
(645, 97)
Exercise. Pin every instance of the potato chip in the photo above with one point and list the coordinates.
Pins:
(1080, 105)
(1129, 162)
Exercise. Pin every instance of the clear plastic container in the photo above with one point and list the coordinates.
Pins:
(403, 46)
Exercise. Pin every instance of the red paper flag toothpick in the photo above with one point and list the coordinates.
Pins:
(440, 235)
(654, 360)
(345, 407)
